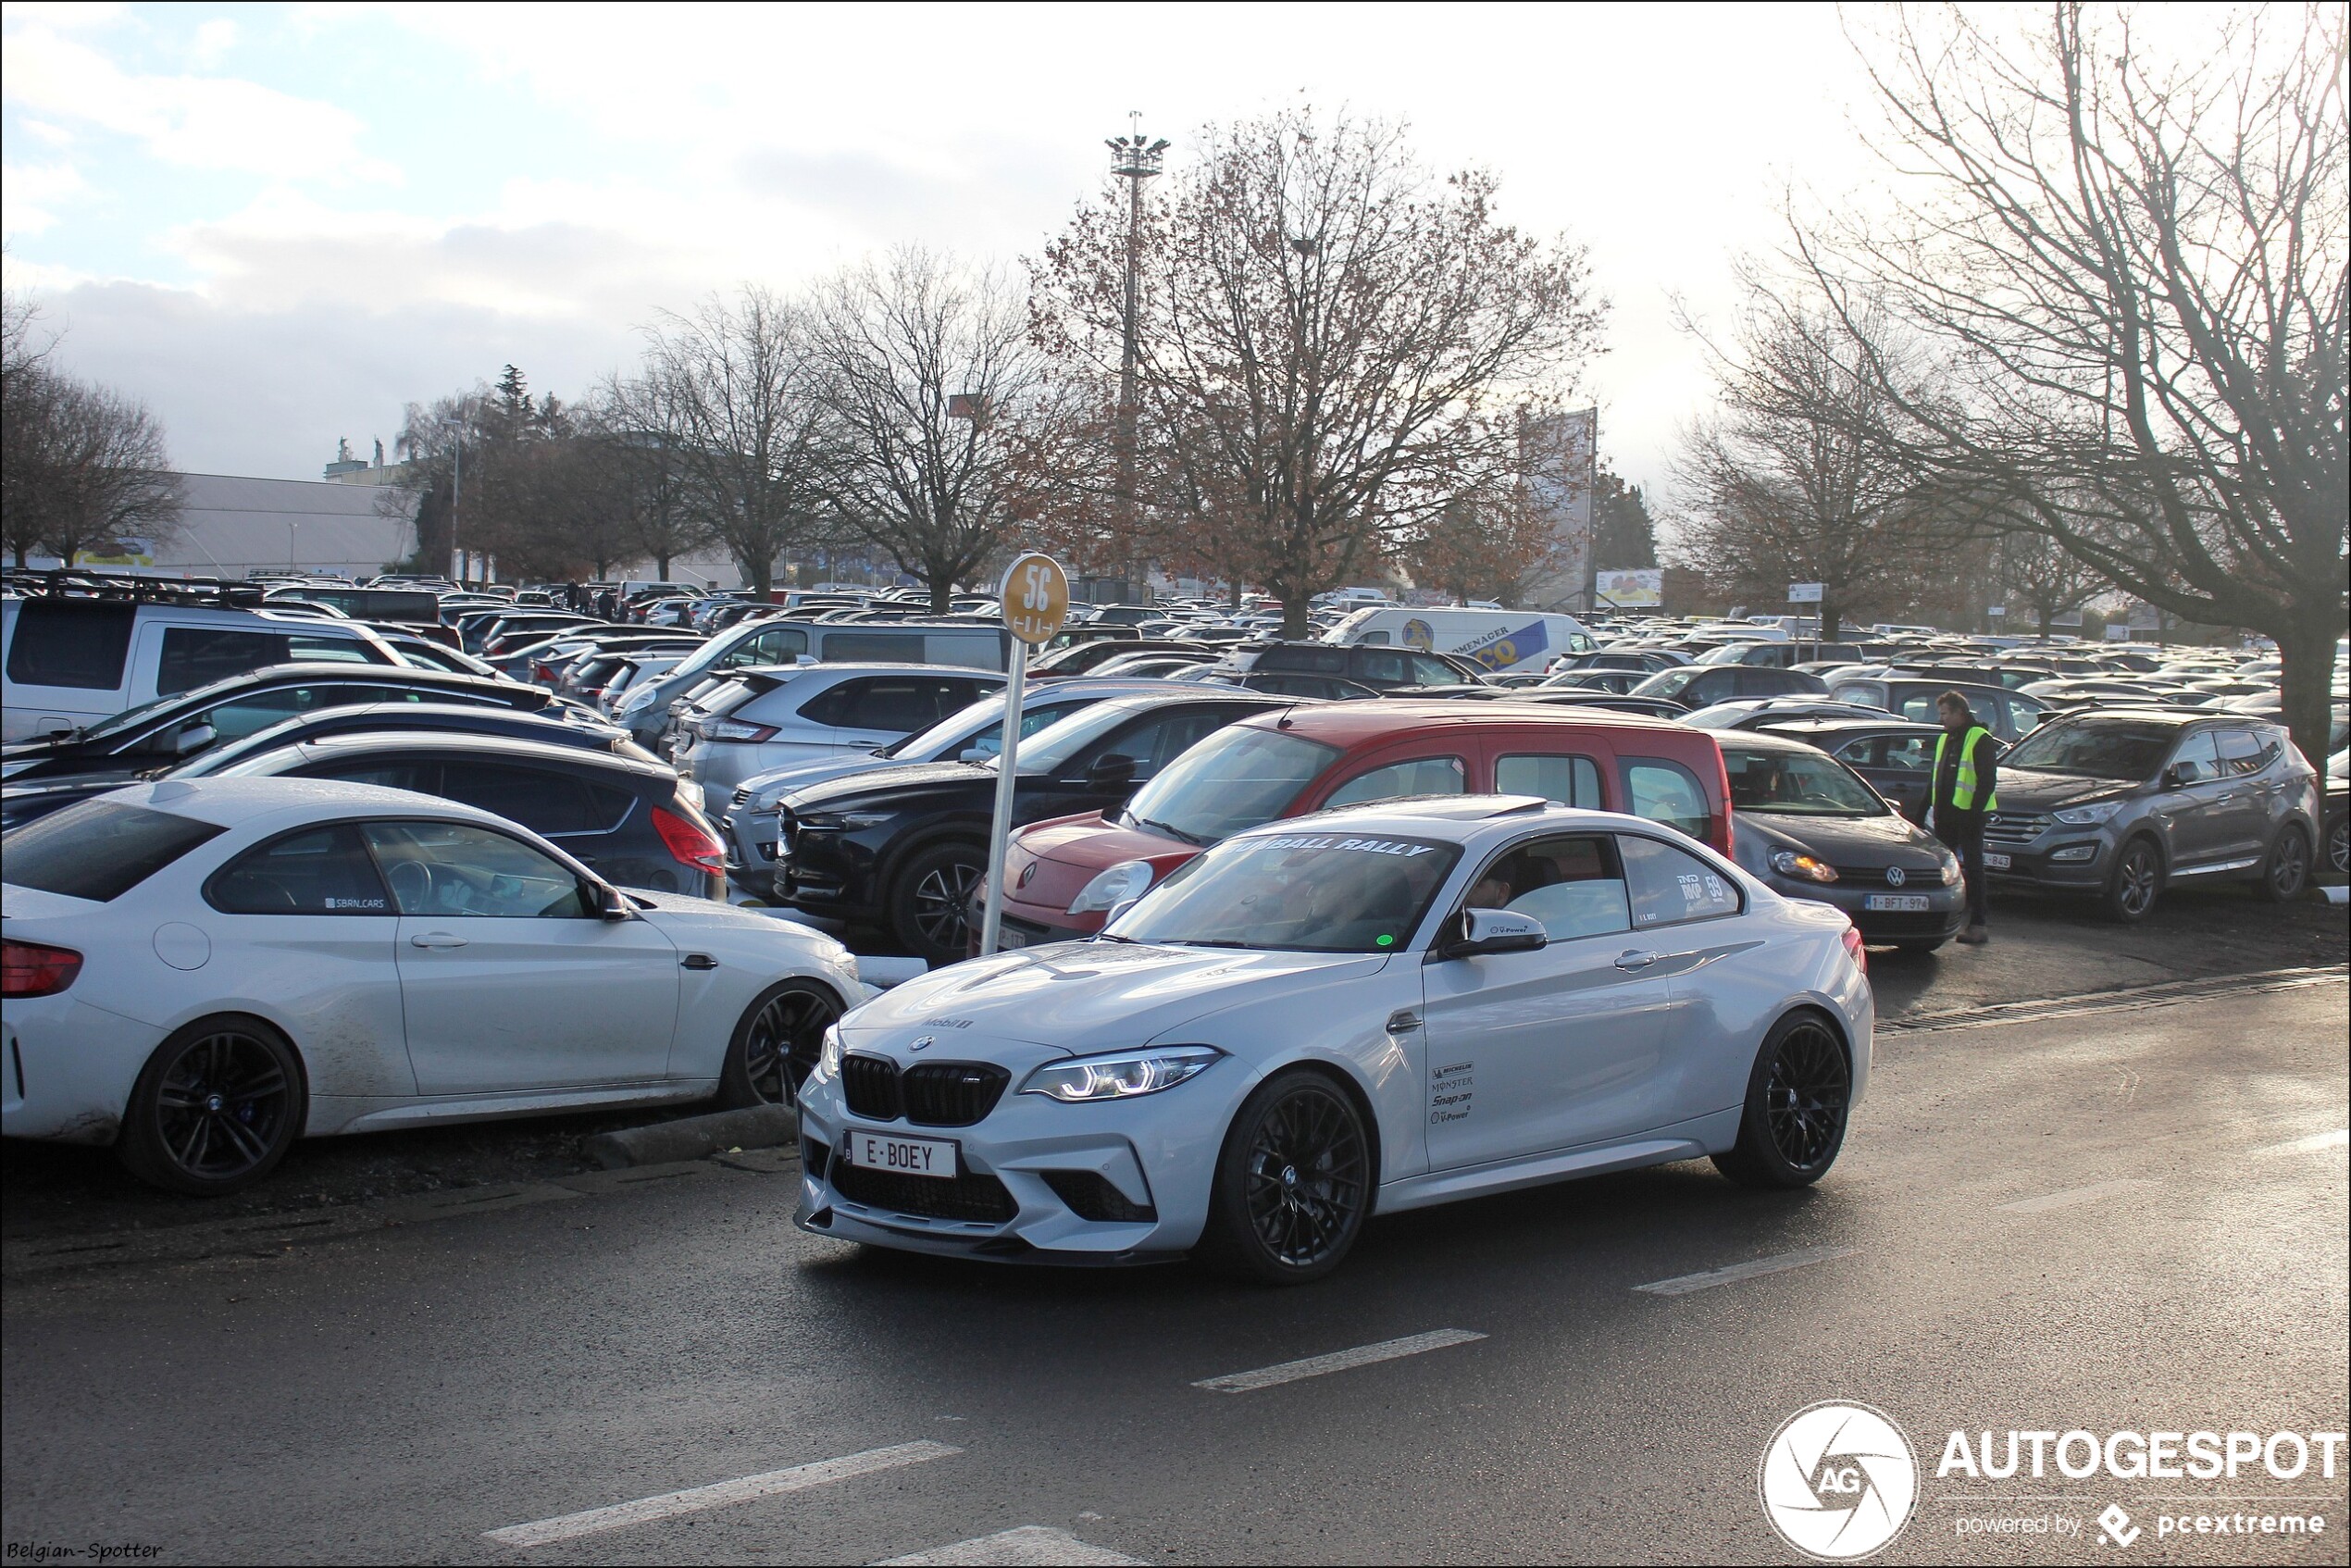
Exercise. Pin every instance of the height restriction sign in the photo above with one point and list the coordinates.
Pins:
(1036, 596)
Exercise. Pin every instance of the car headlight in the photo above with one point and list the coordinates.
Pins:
(1122, 1077)
(1809, 868)
(2090, 814)
(641, 698)
(1125, 880)
(1953, 872)
(829, 1058)
(845, 821)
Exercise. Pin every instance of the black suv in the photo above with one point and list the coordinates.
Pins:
(1381, 668)
(1702, 686)
(903, 848)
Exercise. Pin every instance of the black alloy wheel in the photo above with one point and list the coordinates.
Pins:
(930, 912)
(1293, 1184)
(2288, 871)
(2339, 845)
(776, 1043)
(2138, 877)
(217, 1107)
(1797, 1097)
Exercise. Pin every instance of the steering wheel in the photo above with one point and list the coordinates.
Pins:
(411, 884)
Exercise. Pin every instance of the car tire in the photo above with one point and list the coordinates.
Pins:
(1799, 1093)
(2339, 844)
(1293, 1183)
(2286, 872)
(215, 1109)
(929, 898)
(1920, 945)
(776, 1043)
(2136, 882)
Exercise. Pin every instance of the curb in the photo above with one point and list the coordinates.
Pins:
(693, 1138)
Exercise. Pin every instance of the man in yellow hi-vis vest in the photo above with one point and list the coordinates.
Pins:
(1966, 769)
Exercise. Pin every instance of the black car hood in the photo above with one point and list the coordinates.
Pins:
(1865, 842)
(2025, 790)
(883, 785)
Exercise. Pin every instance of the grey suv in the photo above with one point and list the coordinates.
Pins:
(2122, 804)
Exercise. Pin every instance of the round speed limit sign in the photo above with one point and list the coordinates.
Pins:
(1036, 596)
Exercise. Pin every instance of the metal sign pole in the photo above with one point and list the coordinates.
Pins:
(1001, 827)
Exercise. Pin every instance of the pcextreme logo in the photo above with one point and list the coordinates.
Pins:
(1838, 1481)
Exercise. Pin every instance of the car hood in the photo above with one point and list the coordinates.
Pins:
(1086, 997)
(903, 778)
(767, 788)
(1864, 842)
(2025, 790)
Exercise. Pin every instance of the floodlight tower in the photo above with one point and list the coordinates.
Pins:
(1134, 161)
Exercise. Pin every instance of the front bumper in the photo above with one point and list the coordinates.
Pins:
(2075, 859)
(1007, 1203)
(1944, 914)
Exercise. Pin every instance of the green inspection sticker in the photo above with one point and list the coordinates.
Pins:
(1387, 941)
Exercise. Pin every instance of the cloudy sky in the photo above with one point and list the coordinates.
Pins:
(278, 224)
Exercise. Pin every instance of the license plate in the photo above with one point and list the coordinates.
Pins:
(1995, 861)
(1006, 936)
(1906, 902)
(907, 1156)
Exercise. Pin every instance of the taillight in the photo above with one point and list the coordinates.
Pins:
(30, 969)
(546, 672)
(1723, 772)
(1855, 950)
(690, 843)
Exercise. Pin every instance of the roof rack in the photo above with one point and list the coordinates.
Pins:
(63, 583)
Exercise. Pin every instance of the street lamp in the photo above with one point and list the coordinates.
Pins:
(1133, 161)
(456, 495)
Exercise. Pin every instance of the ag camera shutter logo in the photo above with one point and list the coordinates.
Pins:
(1838, 1481)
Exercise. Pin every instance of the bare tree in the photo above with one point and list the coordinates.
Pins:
(1333, 343)
(1786, 480)
(2136, 270)
(749, 384)
(86, 471)
(647, 425)
(2039, 574)
(947, 423)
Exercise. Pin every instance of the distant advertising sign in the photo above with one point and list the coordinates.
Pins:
(1804, 592)
(1637, 590)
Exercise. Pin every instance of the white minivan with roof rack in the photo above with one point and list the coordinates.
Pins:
(1502, 642)
(71, 661)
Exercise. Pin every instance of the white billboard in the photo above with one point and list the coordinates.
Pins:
(1562, 456)
(1640, 588)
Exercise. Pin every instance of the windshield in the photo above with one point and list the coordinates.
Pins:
(1235, 781)
(1797, 783)
(979, 726)
(2096, 748)
(130, 717)
(1059, 741)
(1305, 892)
(1668, 683)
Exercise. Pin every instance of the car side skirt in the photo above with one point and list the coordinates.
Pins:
(1692, 1140)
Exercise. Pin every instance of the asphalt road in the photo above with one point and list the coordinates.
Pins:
(2103, 1216)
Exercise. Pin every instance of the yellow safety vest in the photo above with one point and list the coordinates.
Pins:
(1963, 789)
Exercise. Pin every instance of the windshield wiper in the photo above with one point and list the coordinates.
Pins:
(1202, 941)
(1167, 828)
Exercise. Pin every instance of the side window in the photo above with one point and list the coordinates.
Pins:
(1574, 886)
(898, 704)
(1571, 781)
(2198, 758)
(240, 716)
(1858, 691)
(349, 649)
(1919, 707)
(2242, 754)
(1863, 754)
(315, 871)
(1421, 775)
(540, 799)
(1373, 640)
(1434, 672)
(1670, 886)
(777, 645)
(196, 655)
(70, 643)
(1667, 793)
(1715, 686)
(874, 647)
(1912, 754)
(456, 869)
(1155, 744)
(421, 776)
(1383, 668)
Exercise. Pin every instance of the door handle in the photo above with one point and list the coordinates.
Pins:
(698, 961)
(1404, 1021)
(436, 939)
(1632, 958)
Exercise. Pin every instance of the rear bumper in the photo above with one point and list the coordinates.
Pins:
(1944, 914)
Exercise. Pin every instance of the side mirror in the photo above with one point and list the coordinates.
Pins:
(1110, 774)
(2174, 777)
(613, 905)
(196, 738)
(1484, 931)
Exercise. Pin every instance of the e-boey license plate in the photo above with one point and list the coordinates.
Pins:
(907, 1156)
(1907, 903)
(1995, 861)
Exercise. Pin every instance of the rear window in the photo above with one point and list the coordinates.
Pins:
(1571, 781)
(70, 643)
(98, 850)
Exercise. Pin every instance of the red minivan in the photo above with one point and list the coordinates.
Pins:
(1063, 875)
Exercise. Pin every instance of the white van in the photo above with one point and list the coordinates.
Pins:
(1504, 641)
(72, 662)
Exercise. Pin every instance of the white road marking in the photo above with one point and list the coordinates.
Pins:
(720, 1494)
(2309, 1145)
(1035, 1544)
(1683, 1284)
(1337, 1361)
(2072, 1197)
